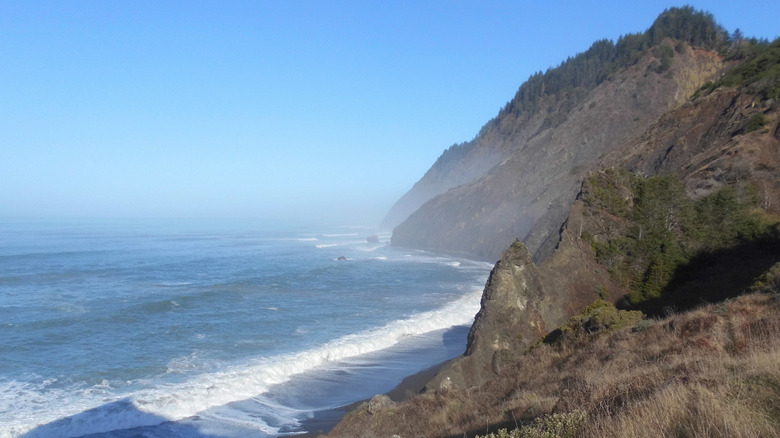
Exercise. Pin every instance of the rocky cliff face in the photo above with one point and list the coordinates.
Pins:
(706, 142)
(709, 143)
(458, 165)
(544, 155)
(523, 301)
(559, 186)
(579, 185)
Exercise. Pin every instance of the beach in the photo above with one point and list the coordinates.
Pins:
(324, 421)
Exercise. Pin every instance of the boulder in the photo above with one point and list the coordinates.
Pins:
(378, 403)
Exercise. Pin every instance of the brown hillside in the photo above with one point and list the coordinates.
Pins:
(707, 372)
(529, 193)
(711, 372)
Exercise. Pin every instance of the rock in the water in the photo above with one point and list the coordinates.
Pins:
(342, 258)
(372, 239)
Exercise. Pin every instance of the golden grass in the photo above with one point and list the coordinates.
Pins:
(710, 372)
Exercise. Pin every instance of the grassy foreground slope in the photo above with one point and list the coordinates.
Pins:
(709, 372)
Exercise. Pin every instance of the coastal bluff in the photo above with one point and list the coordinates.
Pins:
(636, 223)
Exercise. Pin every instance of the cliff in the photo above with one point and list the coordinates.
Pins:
(548, 352)
(518, 177)
(681, 211)
(544, 157)
(699, 191)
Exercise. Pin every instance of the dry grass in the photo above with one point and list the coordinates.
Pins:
(710, 372)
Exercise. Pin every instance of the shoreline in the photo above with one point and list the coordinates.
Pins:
(322, 422)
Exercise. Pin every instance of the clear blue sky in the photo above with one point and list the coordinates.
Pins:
(313, 110)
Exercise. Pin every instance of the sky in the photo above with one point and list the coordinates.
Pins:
(287, 111)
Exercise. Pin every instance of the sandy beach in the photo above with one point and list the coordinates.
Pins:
(324, 421)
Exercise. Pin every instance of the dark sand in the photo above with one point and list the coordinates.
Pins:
(324, 421)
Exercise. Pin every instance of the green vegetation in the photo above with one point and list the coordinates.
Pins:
(768, 282)
(601, 316)
(598, 318)
(454, 153)
(665, 235)
(590, 68)
(665, 53)
(756, 122)
(759, 70)
(610, 192)
(566, 425)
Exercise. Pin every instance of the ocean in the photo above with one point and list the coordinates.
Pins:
(165, 328)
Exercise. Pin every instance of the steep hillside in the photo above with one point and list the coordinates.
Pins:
(727, 133)
(643, 243)
(702, 196)
(711, 372)
(520, 175)
(687, 214)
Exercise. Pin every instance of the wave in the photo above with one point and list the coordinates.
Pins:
(94, 410)
(371, 248)
(330, 245)
(173, 284)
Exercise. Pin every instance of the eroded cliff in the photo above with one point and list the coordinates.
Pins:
(680, 211)
(544, 158)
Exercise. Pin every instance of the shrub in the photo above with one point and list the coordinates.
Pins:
(601, 316)
(756, 122)
(666, 229)
(567, 425)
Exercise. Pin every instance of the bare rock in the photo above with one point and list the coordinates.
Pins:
(446, 386)
(378, 403)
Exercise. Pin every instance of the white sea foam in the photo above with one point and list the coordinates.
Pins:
(335, 244)
(187, 364)
(70, 308)
(70, 412)
(329, 245)
(248, 380)
(332, 245)
(370, 248)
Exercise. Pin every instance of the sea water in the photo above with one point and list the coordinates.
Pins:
(213, 329)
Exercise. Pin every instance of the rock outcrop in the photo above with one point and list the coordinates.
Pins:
(523, 301)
